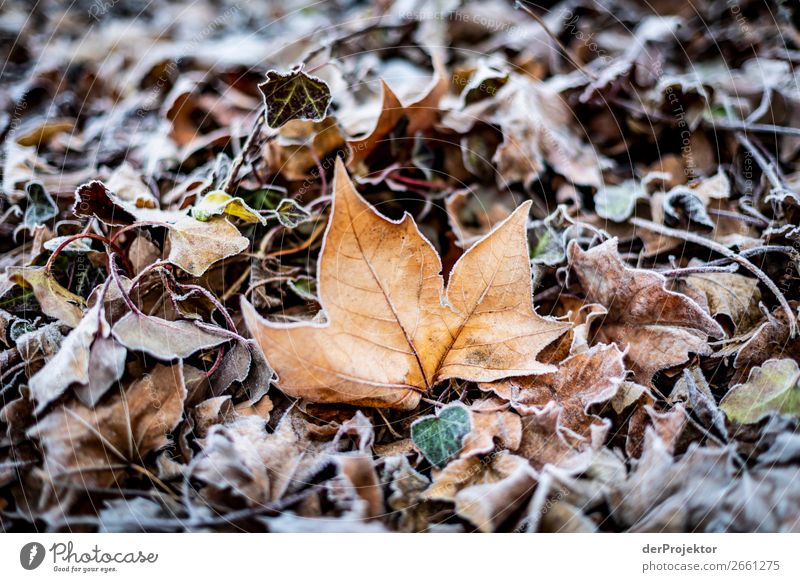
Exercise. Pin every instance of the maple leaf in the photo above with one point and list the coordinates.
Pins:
(421, 114)
(659, 327)
(294, 95)
(392, 331)
(582, 380)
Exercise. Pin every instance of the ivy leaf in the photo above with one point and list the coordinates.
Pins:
(294, 95)
(218, 202)
(41, 207)
(55, 301)
(439, 438)
(769, 388)
(617, 202)
(290, 214)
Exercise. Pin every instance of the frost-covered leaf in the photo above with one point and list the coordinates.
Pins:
(218, 202)
(294, 95)
(392, 331)
(771, 387)
(440, 437)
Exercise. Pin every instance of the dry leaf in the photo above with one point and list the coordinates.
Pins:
(163, 339)
(582, 380)
(485, 491)
(392, 332)
(196, 245)
(492, 425)
(86, 358)
(658, 328)
(85, 446)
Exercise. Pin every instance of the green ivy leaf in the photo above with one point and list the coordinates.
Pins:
(771, 387)
(439, 437)
(616, 202)
(290, 214)
(294, 95)
(41, 207)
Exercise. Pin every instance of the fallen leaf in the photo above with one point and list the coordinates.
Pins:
(658, 328)
(420, 114)
(771, 387)
(582, 380)
(86, 358)
(55, 301)
(217, 202)
(127, 184)
(545, 442)
(440, 438)
(163, 339)
(242, 458)
(84, 446)
(485, 491)
(493, 425)
(40, 206)
(294, 95)
(94, 199)
(535, 122)
(196, 245)
(391, 331)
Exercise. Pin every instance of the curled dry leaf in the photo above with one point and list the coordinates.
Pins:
(546, 442)
(85, 446)
(582, 380)
(535, 122)
(420, 114)
(492, 425)
(86, 358)
(658, 328)
(242, 458)
(485, 490)
(163, 339)
(391, 331)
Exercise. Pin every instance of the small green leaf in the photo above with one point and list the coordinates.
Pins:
(294, 95)
(41, 207)
(218, 202)
(771, 387)
(616, 202)
(439, 437)
(290, 214)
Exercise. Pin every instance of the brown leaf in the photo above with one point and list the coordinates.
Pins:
(492, 422)
(546, 442)
(421, 114)
(86, 358)
(658, 328)
(84, 446)
(581, 380)
(196, 245)
(391, 330)
(163, 339)
(536, 125)
(244, 459)
(485, 491)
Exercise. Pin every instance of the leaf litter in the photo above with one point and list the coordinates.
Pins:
(531, 271)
